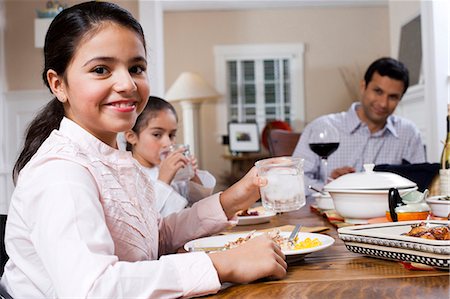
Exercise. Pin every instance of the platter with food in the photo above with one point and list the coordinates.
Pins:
(304, 243)
(254, 216)
(424, 242)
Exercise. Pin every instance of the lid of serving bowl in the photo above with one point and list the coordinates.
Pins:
(369, 180)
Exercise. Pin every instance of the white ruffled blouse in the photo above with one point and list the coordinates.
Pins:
(82, 223)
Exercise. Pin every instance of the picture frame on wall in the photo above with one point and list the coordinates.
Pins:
(244, 137)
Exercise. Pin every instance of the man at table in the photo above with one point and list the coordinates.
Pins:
(369, 132)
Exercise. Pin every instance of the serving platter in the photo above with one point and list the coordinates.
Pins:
(387, 241)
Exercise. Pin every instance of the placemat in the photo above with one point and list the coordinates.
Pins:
(338, 221)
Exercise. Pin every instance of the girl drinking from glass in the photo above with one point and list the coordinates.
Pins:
(178, 181)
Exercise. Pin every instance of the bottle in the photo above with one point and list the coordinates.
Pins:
(445, 157)
(444, 172)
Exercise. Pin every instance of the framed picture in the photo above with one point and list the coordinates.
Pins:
(410, 50)
(243, 137)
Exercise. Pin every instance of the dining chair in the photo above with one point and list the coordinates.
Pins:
(282, 142)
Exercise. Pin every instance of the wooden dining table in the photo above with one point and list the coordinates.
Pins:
(335, 272)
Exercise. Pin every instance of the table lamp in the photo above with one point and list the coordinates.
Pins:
(191, 90)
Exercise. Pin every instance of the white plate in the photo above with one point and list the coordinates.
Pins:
(291, 255)
(386, 240)
(263, 217)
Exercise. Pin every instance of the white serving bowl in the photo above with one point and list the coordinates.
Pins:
(361, 196)
(359, 206)
(439, 206)
(324, 201)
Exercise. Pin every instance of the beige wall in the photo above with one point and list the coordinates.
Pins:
(24, 62)
(334, 38)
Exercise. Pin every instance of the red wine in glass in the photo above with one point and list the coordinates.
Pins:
(324, 150)
(323, 140)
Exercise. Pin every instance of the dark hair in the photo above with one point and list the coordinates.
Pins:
(154, 105)
(63, 37)
(390, 67)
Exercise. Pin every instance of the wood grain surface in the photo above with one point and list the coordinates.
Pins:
(338, 273)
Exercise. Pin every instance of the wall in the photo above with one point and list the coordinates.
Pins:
(22, 90)
(334, 38)
(23, 61)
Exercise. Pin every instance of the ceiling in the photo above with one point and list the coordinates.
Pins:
(183, 5)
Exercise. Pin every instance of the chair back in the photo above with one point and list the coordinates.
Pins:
(282, 142)
(3, 255)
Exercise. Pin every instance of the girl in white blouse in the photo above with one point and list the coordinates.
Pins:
(82, 221)
(153, 133)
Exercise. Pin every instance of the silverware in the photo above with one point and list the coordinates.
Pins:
(206, 249)
(291, 239)
(317, 190)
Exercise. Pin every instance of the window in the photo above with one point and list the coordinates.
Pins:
(258, 90)
(261, 83)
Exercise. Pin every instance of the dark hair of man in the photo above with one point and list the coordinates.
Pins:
(390, 67)
(70, 27)
(151, 110)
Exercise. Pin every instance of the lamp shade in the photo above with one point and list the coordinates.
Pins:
(191, 87)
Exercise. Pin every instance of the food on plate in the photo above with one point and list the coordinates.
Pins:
(307, 243)
(248, 213)
(280, 240)
(421, 230)
(444, 198)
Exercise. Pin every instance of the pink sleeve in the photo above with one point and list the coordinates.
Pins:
(205, 217)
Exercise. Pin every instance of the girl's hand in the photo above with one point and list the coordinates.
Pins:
(242, 194)
(257, 258)
(171, 164)
(194, 165)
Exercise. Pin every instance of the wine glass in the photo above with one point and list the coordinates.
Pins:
(324, 140)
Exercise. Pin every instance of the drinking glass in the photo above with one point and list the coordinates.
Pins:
(185, 173)
(324, 140)
(285, 189)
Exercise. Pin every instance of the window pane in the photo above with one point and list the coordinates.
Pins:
(269, 92)
(249, 70)
(286, 70)
(287, 92)
(269, 70)
(249, 94)
(270, 111)
(234, 112)
(287, 110)
(233, 94)
(232, 71)
(250, 111)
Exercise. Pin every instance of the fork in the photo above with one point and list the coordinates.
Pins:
(294, 234)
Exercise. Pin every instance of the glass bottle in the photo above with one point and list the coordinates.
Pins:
(444, 172)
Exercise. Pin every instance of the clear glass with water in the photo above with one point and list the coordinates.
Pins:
(185, 173)
(285, 189)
